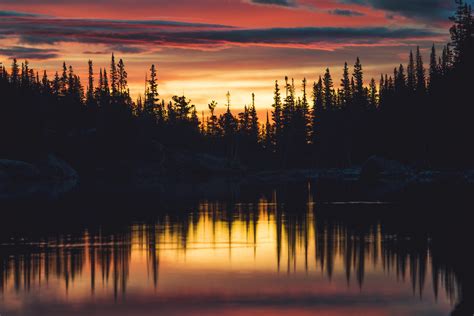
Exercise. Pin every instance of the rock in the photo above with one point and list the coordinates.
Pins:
(469, 176)
(192, 165)
(18, 169)
(17, 178)
(48, 178)
(60, 177)
(377, 168)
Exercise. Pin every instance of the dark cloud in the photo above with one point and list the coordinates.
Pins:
(284, 3)
(17, 14)
(88, 52)
(28, 52)
(136, 36)
(127, 49)
(424, 9)
(307, 35)
(344, 12)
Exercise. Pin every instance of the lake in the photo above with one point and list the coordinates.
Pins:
(274, 252)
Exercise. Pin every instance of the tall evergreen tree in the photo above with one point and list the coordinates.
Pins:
(373, 94)
(212, 124)
(288, 105)
(45, 84)
(122, 78)
(328, 90)
(277, 114)
(346, 86)
(434, 68)
(15, 76)
(64, 80)
(253, 117)
(90, 87)
(420, 72)
(411, 73)
(462, 33)
(318, 107)
(113, 77)
(359, 82)
(400, 80)
(56, 85)
(152, 92)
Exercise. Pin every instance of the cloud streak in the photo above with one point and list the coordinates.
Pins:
(282, 3)
(431, 10)
(136, 36)
(28, 52)
(345, 12)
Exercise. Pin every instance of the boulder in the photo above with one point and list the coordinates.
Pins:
(17, 178)
(377, 168)
(194, 165)
(48, 178)
(59, 177)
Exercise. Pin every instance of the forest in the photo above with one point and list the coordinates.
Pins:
(421, 114)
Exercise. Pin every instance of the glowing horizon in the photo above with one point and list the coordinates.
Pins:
(203, 49)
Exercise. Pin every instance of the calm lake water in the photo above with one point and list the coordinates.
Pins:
(227, 257)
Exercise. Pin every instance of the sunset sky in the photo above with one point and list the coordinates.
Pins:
(204, 48)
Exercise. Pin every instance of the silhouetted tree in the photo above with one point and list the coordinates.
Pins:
(152, 92)
(420, 73)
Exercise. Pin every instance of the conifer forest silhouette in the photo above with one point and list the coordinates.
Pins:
(291, 220)
(418, 114)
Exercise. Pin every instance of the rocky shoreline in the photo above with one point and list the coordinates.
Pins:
(377, 179)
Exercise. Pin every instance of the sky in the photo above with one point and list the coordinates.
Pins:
(204, 48)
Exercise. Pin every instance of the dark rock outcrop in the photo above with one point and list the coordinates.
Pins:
(377, 168)
(48, 178)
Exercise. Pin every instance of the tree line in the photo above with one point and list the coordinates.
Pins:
(417, 114)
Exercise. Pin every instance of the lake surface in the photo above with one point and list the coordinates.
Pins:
(260, 256)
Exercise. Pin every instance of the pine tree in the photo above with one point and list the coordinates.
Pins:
(288, 105)
(267, 139)
(122, 78)
(70, 81)
(382, 91)
(182, 106)
(411, 76)
(161, 113)
(346, 86)
(194, 119)
(45, 84)
(56, 85)
(304, 100)
(305, 109)
(318, 108)
(373, 94)
(446, 60)
(358, 76)
(244, 122)
(90, 87)
(212, 125)
(328, 91)
(202, 124)
(253, 117)
(277, 114)
(462, 33)
(434, 68)
(15, 76)
(25, 75)
(113, 77)
(400, 80)
(420, 72)
(64, 81)
(105, 89)
(152, 92)
(228, 125)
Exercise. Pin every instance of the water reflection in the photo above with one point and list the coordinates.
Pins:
(259, 257)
